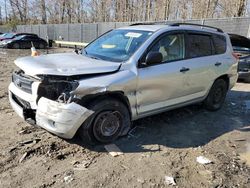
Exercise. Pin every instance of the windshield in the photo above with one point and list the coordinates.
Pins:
(8, 35)
(19, 37)
(2, 35)
(117, 45)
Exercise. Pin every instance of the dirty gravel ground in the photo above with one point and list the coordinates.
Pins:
(163, 145)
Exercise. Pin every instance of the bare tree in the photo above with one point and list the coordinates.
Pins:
(242, 8)
(80, 11)
(43, 11)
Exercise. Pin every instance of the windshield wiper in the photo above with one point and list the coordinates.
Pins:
(93, 57)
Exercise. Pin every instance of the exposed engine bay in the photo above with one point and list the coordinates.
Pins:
(58, 88)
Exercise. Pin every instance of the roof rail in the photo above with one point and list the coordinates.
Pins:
(191, 24)
(147, 23)
(134, 24)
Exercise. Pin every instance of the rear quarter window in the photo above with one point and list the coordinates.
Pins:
(220, 44)
(198, 45)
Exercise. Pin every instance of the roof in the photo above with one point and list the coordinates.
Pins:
(152, 28)
(157, 26)
(25, 34)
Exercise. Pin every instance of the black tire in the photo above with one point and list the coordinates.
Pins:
(109, 115)
(16, 46)
(41, 46)
(247, 80)
(216, 96)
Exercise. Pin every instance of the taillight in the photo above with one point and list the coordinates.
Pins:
(236, 55)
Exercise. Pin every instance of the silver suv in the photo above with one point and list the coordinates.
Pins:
(125, 74)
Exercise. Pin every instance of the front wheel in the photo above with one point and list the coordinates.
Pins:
(109, 121)
(216, 96)
(16, 46)
(41, 46)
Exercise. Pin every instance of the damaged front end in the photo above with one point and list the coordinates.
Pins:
(57, 88)
(49, 102)
(60, 118)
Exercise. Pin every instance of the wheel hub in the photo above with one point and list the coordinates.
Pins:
(108, 122)
(218, 95)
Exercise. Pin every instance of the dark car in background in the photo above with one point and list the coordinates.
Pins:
(2, 35)
(8, 36)
(241, 46)
(24, 42)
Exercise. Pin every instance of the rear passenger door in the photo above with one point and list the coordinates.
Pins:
(222, 54)
(28, 39)
(35, 40)
(25, 42)
(200, 61)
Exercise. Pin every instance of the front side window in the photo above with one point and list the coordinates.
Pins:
(198, 45)
(117, 45)
(9, 35)
(171, 47)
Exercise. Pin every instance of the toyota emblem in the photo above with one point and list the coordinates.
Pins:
(18, 82)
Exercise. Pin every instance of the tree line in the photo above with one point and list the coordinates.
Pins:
(88, 11)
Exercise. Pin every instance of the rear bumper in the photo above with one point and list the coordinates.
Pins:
(58, 118)
(232, 80)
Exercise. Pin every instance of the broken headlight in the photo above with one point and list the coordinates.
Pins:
(57, 89)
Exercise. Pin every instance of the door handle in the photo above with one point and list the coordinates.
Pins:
(184, 69)
(217, 64)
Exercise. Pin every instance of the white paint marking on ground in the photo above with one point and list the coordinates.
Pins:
(113, 150)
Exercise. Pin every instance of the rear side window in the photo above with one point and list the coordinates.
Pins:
(198, 45)
(219, 44)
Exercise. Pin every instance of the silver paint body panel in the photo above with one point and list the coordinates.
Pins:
(66, 64)
(149, 90)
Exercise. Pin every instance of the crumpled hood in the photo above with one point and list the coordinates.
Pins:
(64, 64)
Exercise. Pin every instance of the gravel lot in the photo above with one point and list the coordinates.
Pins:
(163, 145)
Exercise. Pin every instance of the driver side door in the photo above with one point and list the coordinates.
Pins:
(161, 85)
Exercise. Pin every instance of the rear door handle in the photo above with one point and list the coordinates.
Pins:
(184, 69)
(217, 64)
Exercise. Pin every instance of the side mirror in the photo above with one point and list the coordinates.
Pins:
(153, 58)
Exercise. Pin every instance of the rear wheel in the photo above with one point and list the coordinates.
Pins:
(216, 96)
(109, 121)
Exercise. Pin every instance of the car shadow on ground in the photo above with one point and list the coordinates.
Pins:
(191, 126)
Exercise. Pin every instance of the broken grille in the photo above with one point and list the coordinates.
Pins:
(22, 82)
(21, 102)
